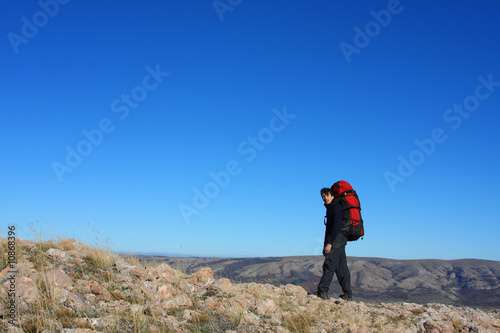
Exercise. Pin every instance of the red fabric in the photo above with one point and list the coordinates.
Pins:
(353, 202)
(338, 190)
(341, 186)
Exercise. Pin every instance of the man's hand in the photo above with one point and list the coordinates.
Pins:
(327, 249)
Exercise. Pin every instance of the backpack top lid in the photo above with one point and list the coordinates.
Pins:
(340, 187)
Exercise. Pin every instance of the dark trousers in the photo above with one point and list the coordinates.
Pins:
(336, 263)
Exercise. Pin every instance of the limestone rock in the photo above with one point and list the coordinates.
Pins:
(155, 308)
(6, 270)
(138, 273)
(223, 285)
(293, 290)
(101, 293)
(75, 300)
(59, 278)
(266, 307)
(93, 288)
(182, 300)
(191, 315)
(203, 276)
(56, 253)
(26, 290)
(167, 274)
(212, 303)
(23, 242)
(164, 291)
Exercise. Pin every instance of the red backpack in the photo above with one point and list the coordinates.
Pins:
(352, 223)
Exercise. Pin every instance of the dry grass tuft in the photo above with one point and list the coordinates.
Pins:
(99, 259)
(296, 319)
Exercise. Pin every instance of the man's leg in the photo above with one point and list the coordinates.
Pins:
(332, 262)
(326, 278)
(343, 273)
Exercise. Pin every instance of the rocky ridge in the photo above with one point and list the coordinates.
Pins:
(462, 282)
(69, 287)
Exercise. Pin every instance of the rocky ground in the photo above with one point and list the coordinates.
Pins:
(462, 282)
(69, 287)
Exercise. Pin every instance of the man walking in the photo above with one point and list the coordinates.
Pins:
(334, 249)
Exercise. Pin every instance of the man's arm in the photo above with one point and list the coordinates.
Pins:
(336, 219)
(327, 249)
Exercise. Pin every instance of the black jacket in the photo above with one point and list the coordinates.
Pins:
(333, 221)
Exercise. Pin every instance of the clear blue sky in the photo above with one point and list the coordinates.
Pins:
(208, 128)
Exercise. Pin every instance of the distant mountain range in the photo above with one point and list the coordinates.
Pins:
(464, 282)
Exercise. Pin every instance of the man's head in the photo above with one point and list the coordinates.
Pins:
(327, 195)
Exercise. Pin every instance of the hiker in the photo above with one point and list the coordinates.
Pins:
(334, 249)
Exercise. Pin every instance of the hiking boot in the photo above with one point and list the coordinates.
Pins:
(322, 295)
(345, 297)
